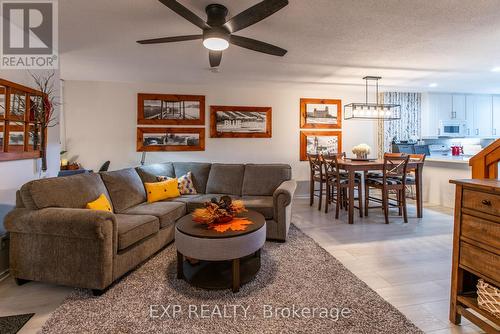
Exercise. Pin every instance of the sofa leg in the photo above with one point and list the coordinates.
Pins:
(20, 281)
(97, 292)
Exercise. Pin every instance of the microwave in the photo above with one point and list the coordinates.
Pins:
(452, 128)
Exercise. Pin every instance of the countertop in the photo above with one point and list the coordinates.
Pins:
(460, 159)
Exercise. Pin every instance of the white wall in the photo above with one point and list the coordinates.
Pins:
(437, 189)
(14, 174)
(101, 117)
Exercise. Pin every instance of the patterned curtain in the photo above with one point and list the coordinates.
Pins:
(406, 127)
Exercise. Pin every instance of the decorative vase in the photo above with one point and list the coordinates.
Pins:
(361, 155)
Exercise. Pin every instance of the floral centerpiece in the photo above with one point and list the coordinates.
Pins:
(361, 151)
(218, 212)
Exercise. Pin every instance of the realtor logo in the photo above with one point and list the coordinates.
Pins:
(29, 35)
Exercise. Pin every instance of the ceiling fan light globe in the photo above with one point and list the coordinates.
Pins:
(215, 43)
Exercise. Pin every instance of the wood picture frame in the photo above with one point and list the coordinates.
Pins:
(170, 109)
(337, 145)
(17, 122)
(322, 118)
(241, 122)
(170, 139)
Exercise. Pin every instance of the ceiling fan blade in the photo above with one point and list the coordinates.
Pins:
(170, 39)
(215, 58)
(254, 14)
(255, 45)
(185, 13)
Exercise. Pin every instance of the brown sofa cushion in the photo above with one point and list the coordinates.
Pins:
(261, 204)
(225, 179)
(134, 228)
(166, 212)
(199, 171)
(63, 192)
(262, 180)
(150, 173)
(125, 188)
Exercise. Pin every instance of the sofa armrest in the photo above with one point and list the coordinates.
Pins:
(283, 195)
(63, 222)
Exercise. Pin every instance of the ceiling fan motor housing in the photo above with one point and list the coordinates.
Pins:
(216, 14)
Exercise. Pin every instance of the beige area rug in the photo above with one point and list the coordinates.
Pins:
(300, 288)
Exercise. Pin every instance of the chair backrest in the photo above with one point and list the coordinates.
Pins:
(416, 157)
(330, 166)
(315, 164)
(395, 166)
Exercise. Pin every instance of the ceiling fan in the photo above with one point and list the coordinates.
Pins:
(218, 32)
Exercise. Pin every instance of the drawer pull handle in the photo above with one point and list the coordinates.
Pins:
(486, 202)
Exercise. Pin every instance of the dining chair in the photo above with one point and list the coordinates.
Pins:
(410, 177)
(337, 185)
(393, 181)
(316, 176)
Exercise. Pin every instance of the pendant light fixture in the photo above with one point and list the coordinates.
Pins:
(375, 110)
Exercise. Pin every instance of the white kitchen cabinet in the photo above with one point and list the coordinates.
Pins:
(483, 112)
(458, 107)
(442, 104)
(430, 122)
(469, 115)
(496, 116)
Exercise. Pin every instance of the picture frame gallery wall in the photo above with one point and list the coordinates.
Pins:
(319, 115)
(175, 111)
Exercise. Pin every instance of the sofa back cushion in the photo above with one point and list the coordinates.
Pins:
(64, 192)
(150, 173)
(225, 179)
(125, 188)
(262, 180)
(199, 172)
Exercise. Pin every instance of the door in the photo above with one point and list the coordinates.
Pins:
(496, 116)
(483, 115)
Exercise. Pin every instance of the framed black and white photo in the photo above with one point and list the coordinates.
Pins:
(320, 114)
(320, 142)
(170, 139)
(240, 122)
(168, 109)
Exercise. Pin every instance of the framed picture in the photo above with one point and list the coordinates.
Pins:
(170, 139)
(320, 114)
(240, 122)
(165, 109)
(320, 142)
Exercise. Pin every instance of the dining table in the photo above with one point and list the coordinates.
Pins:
(351, 166)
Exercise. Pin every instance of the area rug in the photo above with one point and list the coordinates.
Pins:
(300, 288)
(13, 323)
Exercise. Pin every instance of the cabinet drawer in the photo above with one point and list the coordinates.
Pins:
(480, 260)
(484, 231)
(484, 202)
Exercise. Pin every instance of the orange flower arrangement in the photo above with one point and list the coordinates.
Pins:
(216, 213)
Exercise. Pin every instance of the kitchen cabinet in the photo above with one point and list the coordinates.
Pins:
(458, 107)
(469, 115)
(496, 116)
(483, 112)
(442, 105)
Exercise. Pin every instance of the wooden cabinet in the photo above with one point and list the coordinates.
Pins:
(476, 248)
(496, 116)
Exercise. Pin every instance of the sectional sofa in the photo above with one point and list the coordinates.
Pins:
(54, 239)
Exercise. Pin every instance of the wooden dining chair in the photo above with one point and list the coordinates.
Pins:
(337, 185)
(411, 181)
(393, 181)
(316, 176)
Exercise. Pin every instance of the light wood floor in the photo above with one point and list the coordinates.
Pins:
(407, 264)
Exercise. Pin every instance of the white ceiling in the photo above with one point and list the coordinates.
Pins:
(411, 44)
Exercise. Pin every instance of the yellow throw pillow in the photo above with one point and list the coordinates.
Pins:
(159, 191)
(101, 204)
